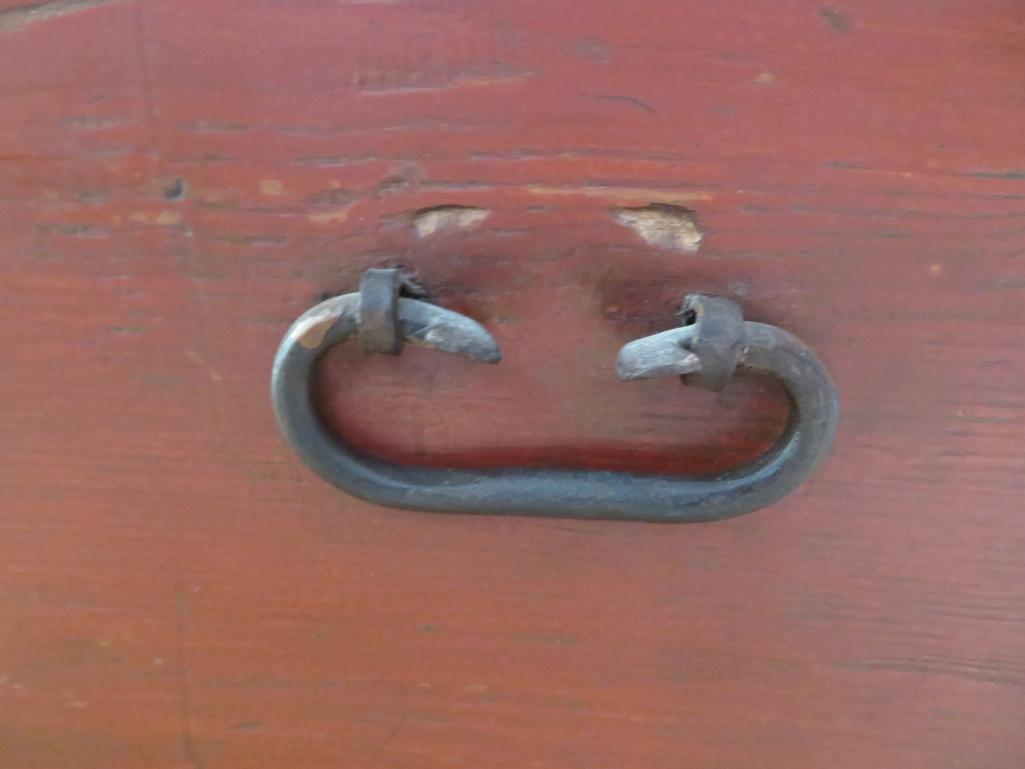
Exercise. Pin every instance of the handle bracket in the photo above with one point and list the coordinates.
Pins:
(712, 343)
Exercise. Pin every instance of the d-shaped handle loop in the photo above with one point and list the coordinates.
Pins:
(705, 351)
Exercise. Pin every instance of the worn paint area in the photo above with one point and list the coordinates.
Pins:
(430, 221)
(310, 330)
(625, 196)
(662, 225)
(869, 195)
(159, 218)
(330, 216)
(22, 15)
(272, 187)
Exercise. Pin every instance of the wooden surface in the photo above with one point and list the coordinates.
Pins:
(181, 179)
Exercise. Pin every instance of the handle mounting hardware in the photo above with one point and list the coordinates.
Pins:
(713, 342)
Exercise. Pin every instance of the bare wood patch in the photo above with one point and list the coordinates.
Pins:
(662, 225)
(428, 221)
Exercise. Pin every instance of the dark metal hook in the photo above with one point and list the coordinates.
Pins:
(705, 352)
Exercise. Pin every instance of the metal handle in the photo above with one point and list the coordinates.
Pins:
(713, 341)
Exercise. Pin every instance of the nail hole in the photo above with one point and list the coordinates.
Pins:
(175, 190)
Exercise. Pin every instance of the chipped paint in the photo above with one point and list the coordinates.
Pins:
(310, 332)
(311, 328)
(429, 221)
(664, 226)
(273, 187)
(332, 216)
(161, 218)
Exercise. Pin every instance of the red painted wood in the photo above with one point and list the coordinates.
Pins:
(177, 591)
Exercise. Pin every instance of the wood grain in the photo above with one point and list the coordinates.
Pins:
(180, 180)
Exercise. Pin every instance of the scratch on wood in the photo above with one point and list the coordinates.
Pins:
(159, 218)
(76, 230)
(624, 195)
(330, 161)
(89, 123)
(215, 126)
(638, 103)
(394, 732)
(188, 742)
(593, 50)
(990, 670)
(456, 82)
(22, 15)
(1006, 175)
(332, 196)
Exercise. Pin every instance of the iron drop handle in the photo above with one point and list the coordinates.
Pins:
(712, 343)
